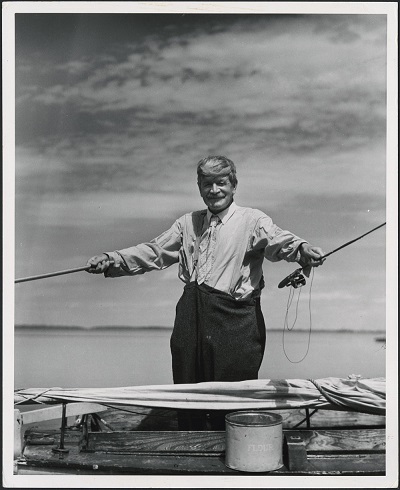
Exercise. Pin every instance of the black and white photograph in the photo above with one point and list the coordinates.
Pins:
(200, 244)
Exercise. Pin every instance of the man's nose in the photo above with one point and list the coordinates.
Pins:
(214, 189)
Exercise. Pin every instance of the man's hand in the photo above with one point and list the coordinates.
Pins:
(98, 264)
(311, 255)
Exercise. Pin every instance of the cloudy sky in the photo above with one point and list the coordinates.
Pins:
(114, 111)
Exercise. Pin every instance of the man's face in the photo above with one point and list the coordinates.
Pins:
(217, 192)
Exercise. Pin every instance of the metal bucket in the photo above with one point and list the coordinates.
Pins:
(254, 441)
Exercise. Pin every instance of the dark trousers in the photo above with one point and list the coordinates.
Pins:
(215, 338)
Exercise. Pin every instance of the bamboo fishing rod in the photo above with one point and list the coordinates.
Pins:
(296, 278)
(352, 241)
(52, 274)
(285, 282)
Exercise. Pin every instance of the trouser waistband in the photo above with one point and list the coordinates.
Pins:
(205, 288)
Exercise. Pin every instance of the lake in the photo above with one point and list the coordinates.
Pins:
(110, 357)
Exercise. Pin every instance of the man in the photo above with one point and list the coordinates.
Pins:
(219, 330)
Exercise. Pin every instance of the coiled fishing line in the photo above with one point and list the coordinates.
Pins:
(286, 322)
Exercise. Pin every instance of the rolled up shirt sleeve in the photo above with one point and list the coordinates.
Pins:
(278, 244)
(158, 254)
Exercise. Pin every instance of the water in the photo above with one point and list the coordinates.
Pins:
(67, 357)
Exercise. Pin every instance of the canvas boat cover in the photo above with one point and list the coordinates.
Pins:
(353, 393)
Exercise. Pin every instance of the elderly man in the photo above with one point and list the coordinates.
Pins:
(219, 330)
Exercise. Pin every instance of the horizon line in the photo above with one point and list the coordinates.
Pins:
(166, 327)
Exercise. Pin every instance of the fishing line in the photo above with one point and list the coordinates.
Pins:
(296, 280)
(286, 321)
(289, 304)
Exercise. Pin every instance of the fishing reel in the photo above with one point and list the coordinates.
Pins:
(295, 279)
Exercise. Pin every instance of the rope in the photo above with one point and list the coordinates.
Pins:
(307, 417)
(28, 399)
(327, 396)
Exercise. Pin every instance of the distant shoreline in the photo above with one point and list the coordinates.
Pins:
(97, 328)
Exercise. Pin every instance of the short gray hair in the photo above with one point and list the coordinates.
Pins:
(220, 164)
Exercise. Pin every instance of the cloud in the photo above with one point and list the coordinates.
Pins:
(138, 109)
(113, 112)
(254, 64)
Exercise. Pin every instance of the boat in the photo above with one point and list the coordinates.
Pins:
(331, 426)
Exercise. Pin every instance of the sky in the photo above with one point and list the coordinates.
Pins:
(113, 112)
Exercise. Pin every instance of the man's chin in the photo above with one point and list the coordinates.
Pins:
(217, 208)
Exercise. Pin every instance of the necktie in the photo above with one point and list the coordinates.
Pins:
(206, 255)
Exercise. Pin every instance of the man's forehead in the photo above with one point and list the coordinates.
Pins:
(211, 176)
(214, 170)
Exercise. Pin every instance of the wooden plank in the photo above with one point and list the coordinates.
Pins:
(335, 440)
(326, 440)
(166, 442)
(45, 437)
(54, 412)
(346, 464)
(368, 464)
(328, 451)
(342, 419)
(22, 468)
(128, 463)
(142, 418)
(17, 433)
(329, 418)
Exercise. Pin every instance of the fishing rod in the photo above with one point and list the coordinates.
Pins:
(296, 278)
(58, 273)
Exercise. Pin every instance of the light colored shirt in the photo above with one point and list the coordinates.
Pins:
(244, 237)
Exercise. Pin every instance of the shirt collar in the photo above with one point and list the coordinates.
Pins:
(223, 215)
